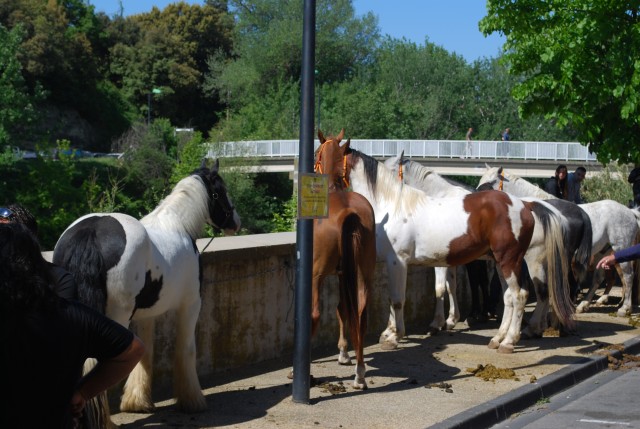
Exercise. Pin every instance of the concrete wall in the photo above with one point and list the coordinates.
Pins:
(247, 314)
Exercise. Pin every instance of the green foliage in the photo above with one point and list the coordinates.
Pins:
(285, 219)
(17, 110)
(610, 184)
(576, 57)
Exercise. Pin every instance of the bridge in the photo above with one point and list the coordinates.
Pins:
(446, 157)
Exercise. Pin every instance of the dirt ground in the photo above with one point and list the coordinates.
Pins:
(424, 382)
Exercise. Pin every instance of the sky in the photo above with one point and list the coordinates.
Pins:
(452, 24)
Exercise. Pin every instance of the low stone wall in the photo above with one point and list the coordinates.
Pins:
(247, 313)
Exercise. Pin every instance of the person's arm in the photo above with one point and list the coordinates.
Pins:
(105, 374)
(624, 255)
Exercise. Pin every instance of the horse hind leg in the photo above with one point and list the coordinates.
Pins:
(625, 270)
(137, 390)
(343, 350)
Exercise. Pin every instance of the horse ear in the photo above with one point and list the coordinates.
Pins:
(203, 164)
(321, 137)
(346, 145)
(401, 157)
(487, 165)
(216, 166)
(500, 171)
(341, 135)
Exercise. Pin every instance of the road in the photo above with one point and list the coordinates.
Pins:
(607, 400)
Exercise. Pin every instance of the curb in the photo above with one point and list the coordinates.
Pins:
(502, 407)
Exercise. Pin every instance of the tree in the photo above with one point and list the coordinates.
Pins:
(578, 67)
(17, 110)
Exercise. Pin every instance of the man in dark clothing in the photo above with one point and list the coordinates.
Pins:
(46, 341)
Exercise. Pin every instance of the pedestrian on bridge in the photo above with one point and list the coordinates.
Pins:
(469, 151)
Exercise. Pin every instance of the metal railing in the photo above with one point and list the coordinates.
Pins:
(449, 149)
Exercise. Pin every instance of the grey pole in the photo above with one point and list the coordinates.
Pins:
(304, 234)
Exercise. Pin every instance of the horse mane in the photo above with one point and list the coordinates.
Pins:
(422, 173)
(186, 208)
(529, 188)
(385, 186)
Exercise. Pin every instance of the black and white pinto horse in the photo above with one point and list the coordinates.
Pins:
(614, 226)
(137, 270)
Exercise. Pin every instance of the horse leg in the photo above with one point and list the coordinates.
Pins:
(397, 269)
(438, 316)
(454, 308)
(610, 278)
(137, 390)
(343, 318)
(186, 384)
(593, 282)
(625, 270)
(518, 301)
(507, 312)
(538, 320)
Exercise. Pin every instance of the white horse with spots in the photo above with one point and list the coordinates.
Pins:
(612, 223)
(420, 177)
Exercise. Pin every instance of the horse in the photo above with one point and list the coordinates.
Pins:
(131, 269)
(412, 227)
(344, 245)
(478, 272)
(577, 231)
(614, 226)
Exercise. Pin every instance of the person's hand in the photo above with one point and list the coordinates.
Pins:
(607, 262)
(78, 403)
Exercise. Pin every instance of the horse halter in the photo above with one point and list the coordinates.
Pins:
(317, 168)
(227, 208)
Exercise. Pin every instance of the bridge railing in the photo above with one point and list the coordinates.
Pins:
(486, 149)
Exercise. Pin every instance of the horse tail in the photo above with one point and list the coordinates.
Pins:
(350, 242)
(81, 256)
(583, 252)
(83, 259)
(553, 225)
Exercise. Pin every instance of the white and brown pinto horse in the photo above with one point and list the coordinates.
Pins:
(446, 278)
(137, 270)
(412, 227)
(344, 244)
(613, 224)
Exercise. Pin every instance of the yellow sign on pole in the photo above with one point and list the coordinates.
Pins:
(313, 196)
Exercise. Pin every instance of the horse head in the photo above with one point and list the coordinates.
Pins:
(331, 159)
(222, 213)
(493, 178)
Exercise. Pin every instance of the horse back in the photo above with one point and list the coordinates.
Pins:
(88, 249)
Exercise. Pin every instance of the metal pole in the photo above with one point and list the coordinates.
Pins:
(304, 234)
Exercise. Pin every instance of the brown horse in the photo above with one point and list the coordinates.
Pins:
(344, 245)
(413, 228)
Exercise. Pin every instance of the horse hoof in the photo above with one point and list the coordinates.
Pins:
(582, 308)
(622, 312)
(432, 332)
(290, 375)
(494, 344)
(389, 345)
(360, 385)
(603, 300)
(344, 360)
(505, 348)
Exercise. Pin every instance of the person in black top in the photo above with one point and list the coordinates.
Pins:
(46, 340)
(60, 280)
(634, 179)
(557, 184)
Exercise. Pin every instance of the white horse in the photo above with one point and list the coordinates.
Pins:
(412, 227)
(139, 270)
(612, 223)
